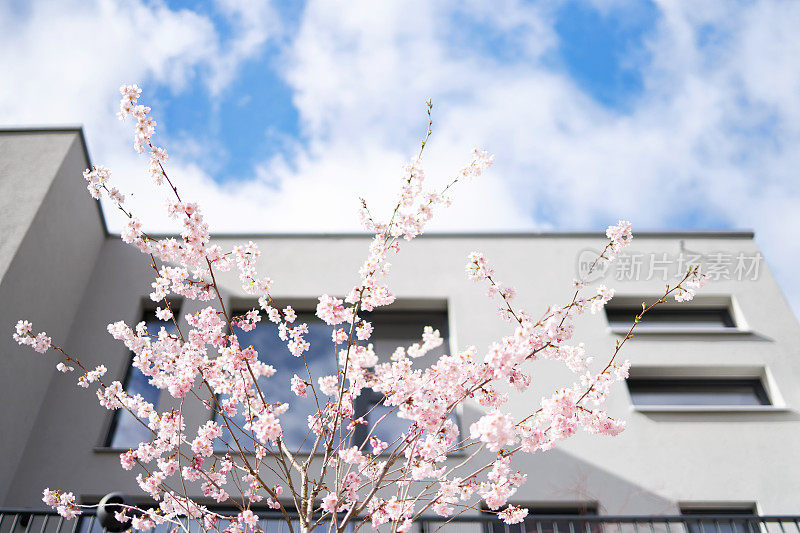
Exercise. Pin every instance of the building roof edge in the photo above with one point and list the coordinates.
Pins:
(671, 234)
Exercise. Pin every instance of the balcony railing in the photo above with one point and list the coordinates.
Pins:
(38, 521)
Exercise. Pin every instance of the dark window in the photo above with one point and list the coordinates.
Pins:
(126, 431)
(668, 318)
(391, 329)
(370, 406)
(697, 392)
(709, 520)
(272, 350)
(545, 519)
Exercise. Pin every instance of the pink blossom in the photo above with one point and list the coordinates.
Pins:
(378, 446)
(24, 337)
(329, 503)
(352, 456)
(266, 428)
(431, 339)
(481, 160)
(23, 328)
(289, 314)
(477, 267)
(298, 386)
(604, 296)
(128, 459)
(63, 502)
(620, 235)
(513, 515)
(329, 385)
(442, 509)
(331, 310)
(495, 429)
(686, 292)
(248, 518)
(363, 330)
(203, 444)
(50, 497)
(339, 335)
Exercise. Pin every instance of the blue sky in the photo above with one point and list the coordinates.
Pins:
(279, 115)
(252, 117)
(602, 51)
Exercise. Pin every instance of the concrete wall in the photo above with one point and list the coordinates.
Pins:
(50, 235)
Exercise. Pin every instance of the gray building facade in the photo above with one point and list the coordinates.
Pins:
(712, 404)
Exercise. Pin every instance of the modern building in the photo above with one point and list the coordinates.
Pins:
(712, 406)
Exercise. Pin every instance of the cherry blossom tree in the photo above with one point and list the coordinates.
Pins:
(339, 480)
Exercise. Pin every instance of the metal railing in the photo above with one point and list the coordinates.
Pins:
(41, 521)
(734, 523)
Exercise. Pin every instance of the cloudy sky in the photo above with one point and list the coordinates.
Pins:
(277, 116)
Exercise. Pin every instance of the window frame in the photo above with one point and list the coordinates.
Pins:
(305, 306)
(708, 373)
(759, 390)
(106, 435)
(695, 515)
(738, 509)
(724, 305)
(237, 308)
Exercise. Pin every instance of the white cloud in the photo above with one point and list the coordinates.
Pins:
(710, 140)
(253, 23)
(64, 60)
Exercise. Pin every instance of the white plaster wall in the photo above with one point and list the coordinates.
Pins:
(660, 461)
